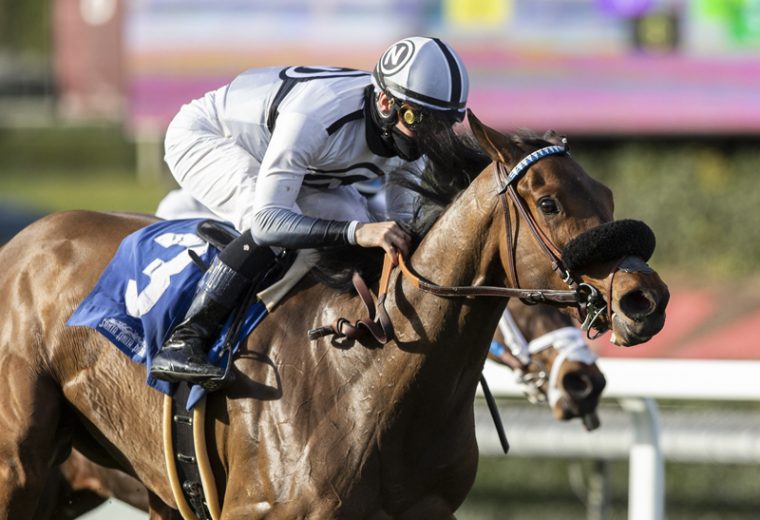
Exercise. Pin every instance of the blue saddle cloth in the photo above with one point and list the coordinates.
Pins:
(146, 290)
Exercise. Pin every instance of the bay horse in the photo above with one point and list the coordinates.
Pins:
(80, 485)
(308, 429)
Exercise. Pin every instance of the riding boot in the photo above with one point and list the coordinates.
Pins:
(183, 357)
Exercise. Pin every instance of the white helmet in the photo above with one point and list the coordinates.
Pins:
(425, 72)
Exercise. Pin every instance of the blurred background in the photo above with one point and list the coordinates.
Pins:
(660, 99)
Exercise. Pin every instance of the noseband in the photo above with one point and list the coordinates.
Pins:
(584, 296)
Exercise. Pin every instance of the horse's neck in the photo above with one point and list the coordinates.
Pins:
(453, 334)
(460, 248)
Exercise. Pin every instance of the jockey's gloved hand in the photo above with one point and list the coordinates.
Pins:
(388, 235)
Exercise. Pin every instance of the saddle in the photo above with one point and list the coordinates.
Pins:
(216, 233)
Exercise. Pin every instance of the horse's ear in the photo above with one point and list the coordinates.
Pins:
(554, 138)
(491, 141)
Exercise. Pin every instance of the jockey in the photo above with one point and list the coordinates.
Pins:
(275, 152)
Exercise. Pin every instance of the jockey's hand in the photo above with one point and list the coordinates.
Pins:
(388, 235)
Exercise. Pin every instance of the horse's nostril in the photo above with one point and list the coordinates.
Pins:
(578, 386)
(637, 304)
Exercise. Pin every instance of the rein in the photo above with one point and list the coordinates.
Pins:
(583, 295)
(379, 324)
(530, 296)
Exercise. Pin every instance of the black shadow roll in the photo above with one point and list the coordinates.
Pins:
(609, 241)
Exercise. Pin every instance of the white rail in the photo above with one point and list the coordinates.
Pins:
(636, 384)
(712, 380)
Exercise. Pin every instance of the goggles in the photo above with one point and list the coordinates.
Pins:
(410, 116)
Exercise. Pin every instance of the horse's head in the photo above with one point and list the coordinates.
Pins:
(554, 363)
(558, 221)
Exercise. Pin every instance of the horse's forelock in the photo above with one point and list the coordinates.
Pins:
(528, 141)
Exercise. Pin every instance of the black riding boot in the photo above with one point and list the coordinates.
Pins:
(183, 357)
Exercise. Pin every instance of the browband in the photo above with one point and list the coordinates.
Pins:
(520, 168)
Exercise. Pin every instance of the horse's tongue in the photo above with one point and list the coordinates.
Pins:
(591, 421)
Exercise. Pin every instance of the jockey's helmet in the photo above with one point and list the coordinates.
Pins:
(424, 72)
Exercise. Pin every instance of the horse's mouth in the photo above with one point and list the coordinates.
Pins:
(638, 314)
(567, 409)
(627, 332)
(580, 395)
(591, 421)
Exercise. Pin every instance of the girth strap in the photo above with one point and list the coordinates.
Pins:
(187, 464)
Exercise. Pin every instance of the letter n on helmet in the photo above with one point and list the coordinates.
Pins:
(424, 72)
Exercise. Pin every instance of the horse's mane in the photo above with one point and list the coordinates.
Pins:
(454, 159)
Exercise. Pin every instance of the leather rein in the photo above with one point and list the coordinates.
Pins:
(582, 295)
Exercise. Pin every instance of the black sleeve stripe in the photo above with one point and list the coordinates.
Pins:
(285, 88)
(343, 120)
(326, 180)
(365, 165)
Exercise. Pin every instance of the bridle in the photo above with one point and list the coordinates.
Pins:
(585, 297)
(542, 385)
(589, 302)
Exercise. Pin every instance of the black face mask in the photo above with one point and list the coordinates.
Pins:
(383, 126)
(406, 147)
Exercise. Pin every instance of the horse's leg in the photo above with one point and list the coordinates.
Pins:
(159, 510)
(30, 409)
(71, 504)
(85, 484)
(430, 507)
(54, 490)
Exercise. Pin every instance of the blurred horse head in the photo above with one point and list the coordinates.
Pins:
(552, 361)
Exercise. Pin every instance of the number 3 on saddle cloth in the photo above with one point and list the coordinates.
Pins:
(146, 290)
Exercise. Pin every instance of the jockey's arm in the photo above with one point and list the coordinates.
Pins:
(293, 145)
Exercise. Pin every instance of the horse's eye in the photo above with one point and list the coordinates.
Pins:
(548, 205)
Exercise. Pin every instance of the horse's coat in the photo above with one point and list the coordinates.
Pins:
(83, 485)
